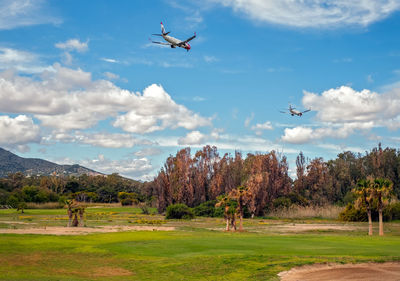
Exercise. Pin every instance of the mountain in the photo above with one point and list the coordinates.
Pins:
(11, 163)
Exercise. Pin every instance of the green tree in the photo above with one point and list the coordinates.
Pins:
(242, 195)
(363, 191)
(225, 202)
(382, 190)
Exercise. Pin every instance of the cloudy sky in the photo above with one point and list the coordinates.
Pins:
(81, 83)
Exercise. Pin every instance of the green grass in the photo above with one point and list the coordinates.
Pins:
(180, 255)
(192, 252)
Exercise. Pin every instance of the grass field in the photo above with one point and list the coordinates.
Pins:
(196, 250)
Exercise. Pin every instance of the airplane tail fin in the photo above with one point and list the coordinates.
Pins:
(162, 29)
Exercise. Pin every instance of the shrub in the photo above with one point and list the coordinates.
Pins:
(179, 211)
(350, 213)
(282, 202)
(145, 209)
(206, 209)
(390, 212)
(127, 202)
(13, 201)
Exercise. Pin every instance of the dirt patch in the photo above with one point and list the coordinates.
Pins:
(389, 271)
(54, 230)
(105, 271)
(302, 227)
(17, 222)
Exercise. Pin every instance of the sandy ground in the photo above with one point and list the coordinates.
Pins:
(300, 227)
(55, 230)
(389, 271)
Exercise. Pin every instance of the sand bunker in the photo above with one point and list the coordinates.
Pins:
(54, 230)
(389, 271)
(300, 227)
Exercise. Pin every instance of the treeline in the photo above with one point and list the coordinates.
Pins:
(196, 179)
(17, 188)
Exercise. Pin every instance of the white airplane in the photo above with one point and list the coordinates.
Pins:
(292, 111)
(173, 42)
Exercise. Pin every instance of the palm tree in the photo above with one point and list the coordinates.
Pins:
(81, 212)
(224, 202)
(69, 204)
(382, 192)
(241, 195)
(363, 191)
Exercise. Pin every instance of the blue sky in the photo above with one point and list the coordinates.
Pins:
(80, 82)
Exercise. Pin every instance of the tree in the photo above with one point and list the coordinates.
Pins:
(70, 213)
(363, 191)
(382, 191)
(242, 196)
(21, 207)
(224, 201)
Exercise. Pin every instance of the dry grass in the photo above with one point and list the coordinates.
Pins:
(48, 205)
(300, 212)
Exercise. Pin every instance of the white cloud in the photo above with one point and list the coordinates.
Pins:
(18, 131)
(314, 13)
(245, 143)
(297, 135)
(17, 13)
(210, 59)
(198, 99)
(344, 111)
(111, 76)
(98, 139)
(68, 99)
(21, 61)
(155, 110)
(347, 105)
(134, 168)
(109, 60)
(300, 135)
(248, 120)
(258, 128)
(73, 45)
(192, 138)
(148, 151)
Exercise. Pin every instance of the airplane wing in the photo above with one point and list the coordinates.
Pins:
(306, 110)
(187, 40)
(161, 43)
(282, 111)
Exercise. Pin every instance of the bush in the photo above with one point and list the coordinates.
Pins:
(13, 201)
(179, 211)
(206, 209)
(282, 203)
(390, 212)
(353, 214)
(127, 202)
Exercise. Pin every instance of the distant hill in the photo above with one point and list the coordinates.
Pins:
(11, 163)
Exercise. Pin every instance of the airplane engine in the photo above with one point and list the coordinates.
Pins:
(172, 46)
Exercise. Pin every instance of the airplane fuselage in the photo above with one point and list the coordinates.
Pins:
(295, 112)
(176, 42)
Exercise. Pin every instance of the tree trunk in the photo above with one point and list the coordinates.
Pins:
(369, 223)
(75, 222)
(241, 222)
(69, 218)
(380, 222)
(227, 224)
(81, 224)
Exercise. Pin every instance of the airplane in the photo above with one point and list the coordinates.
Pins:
(292, 111)
(173, 42)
